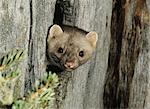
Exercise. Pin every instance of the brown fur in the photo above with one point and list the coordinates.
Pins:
(73, 41)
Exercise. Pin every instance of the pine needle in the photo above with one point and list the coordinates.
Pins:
(11, 58)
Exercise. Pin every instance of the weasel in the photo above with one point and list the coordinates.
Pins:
(69, 47)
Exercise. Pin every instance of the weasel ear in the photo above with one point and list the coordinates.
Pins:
(54, 31)
(92, 37)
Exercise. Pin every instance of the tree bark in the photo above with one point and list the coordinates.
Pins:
(118, 74)
(127, 80)
(24, 24)
(41, 16)
(14, 31)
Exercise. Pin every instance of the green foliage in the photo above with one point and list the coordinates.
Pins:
(11, 58)
(42, 97)
(9, 76)
(7, 84)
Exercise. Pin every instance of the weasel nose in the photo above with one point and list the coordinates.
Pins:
(69, 65)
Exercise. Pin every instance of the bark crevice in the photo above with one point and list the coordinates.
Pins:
(29, 79)
(111, 97)
(126, 45)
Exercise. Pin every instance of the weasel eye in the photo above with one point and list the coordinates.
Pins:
(60, 50)
(81, 53)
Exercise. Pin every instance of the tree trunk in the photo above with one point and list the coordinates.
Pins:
(41, 16)
(15, 30)
(118, 74)
(126, 84)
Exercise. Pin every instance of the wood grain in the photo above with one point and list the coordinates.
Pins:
(42, 12)
(118, 74)
(14, 31)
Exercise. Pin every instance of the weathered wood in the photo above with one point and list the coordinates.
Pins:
(24, 24)
(14, 31)
(42, 13)
(139, 95)
(128, 71)
(118, 74)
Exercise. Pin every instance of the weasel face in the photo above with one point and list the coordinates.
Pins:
(72, 48)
